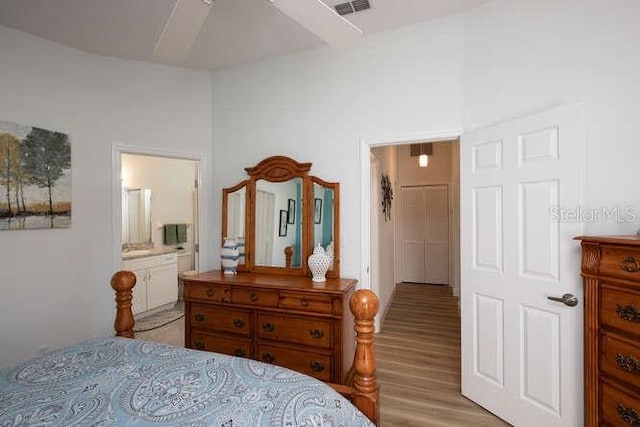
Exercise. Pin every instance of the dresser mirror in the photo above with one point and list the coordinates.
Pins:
(234, 217)
(278, 223)
(136, 215)
(285, 212)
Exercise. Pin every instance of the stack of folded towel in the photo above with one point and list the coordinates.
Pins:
(175, 234)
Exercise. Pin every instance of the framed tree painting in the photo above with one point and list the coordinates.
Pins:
(282, 228)
(35, 177)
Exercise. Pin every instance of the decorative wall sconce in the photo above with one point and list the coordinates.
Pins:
(422, 151)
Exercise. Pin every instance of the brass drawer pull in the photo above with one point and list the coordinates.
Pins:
(238, 323)
(268, 327)
(628, 415)
(209, 292)
(253, 297)
(630, 264)
(316, 333)
(239, 352)
(199, 317)
(199, 345)
(628, 313)
(304, 302)
(268, 358)
(317, 366)
(628, 363)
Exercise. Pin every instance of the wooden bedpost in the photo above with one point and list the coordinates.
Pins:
(288, 254)
(123, 282)
(364, 305)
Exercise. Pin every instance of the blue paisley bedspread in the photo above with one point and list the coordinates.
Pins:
(124, 382)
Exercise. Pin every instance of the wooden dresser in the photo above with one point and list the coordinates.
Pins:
(611, 272)
(286, 320)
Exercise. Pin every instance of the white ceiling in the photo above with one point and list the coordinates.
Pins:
(235, 31)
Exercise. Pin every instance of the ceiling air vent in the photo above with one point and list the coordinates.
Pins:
(352, 6)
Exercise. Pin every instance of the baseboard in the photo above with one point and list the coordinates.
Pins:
(382, 315)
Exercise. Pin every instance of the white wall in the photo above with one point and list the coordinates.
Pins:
(523, 56)
(55, 283)
(317, 105)
(386, 264)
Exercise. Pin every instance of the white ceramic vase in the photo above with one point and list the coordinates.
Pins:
(229, 256)
(319, 263)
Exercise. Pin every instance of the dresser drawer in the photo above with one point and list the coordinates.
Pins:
(259, 297)
(618, 407)
(224, 345)
(620, 358)
(314, 364)
(620, 309)
(221, 319)
(206, 292)
(620, 262)
(296, 330)
(312, 302)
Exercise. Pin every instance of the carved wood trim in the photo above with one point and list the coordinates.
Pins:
(278, 169)
(590, 258)
(123, 282)
(591, 352)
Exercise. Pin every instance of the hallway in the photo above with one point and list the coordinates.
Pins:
(418, 355)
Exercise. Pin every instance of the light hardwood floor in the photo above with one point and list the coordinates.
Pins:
(418, 354)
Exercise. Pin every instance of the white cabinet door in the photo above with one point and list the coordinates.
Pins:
(522, 353)
(162, 287)
(139, 301)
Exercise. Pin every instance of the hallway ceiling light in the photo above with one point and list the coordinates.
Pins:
(422, 151)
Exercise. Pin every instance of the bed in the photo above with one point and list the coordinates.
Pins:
(120, 381)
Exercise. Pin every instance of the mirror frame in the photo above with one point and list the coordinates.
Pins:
(280, 169)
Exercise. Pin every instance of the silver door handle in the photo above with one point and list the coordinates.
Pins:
(566, 299)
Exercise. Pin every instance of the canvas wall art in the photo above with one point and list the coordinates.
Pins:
(35, 178)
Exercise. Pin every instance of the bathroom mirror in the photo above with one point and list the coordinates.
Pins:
(280, 214)
(136, 215)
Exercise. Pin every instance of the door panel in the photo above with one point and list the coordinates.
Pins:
(522, 354)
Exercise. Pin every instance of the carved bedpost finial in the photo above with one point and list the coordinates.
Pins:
(364, 305)
(123, 282)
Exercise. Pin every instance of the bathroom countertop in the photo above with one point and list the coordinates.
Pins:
(135, 254)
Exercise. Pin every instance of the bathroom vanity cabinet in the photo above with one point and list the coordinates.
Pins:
(156, 281)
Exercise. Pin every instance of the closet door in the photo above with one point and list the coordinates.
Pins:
(424, 235)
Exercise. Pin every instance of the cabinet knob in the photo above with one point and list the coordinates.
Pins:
(209, 292)
(253, 297)
(239, 352)
(628, 312)
(199, 345)
(199, 317)
(304, 302)
(238, 323)
(316, 333)
(267, 357)
(317, 366)
(628, 415)
(268, 327)
(628, 363)
(630, 264)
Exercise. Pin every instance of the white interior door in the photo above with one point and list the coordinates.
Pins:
(424, 235)
(522, 353)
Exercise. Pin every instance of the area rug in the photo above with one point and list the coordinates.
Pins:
(160, 318)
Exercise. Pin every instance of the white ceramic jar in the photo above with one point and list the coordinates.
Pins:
(319, 264)
(229, 256)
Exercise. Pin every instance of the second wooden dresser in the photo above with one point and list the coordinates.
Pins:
(281, 319)
(611, 271)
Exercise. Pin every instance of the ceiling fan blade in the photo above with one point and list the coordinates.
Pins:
(181, 29)
(321, 20)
